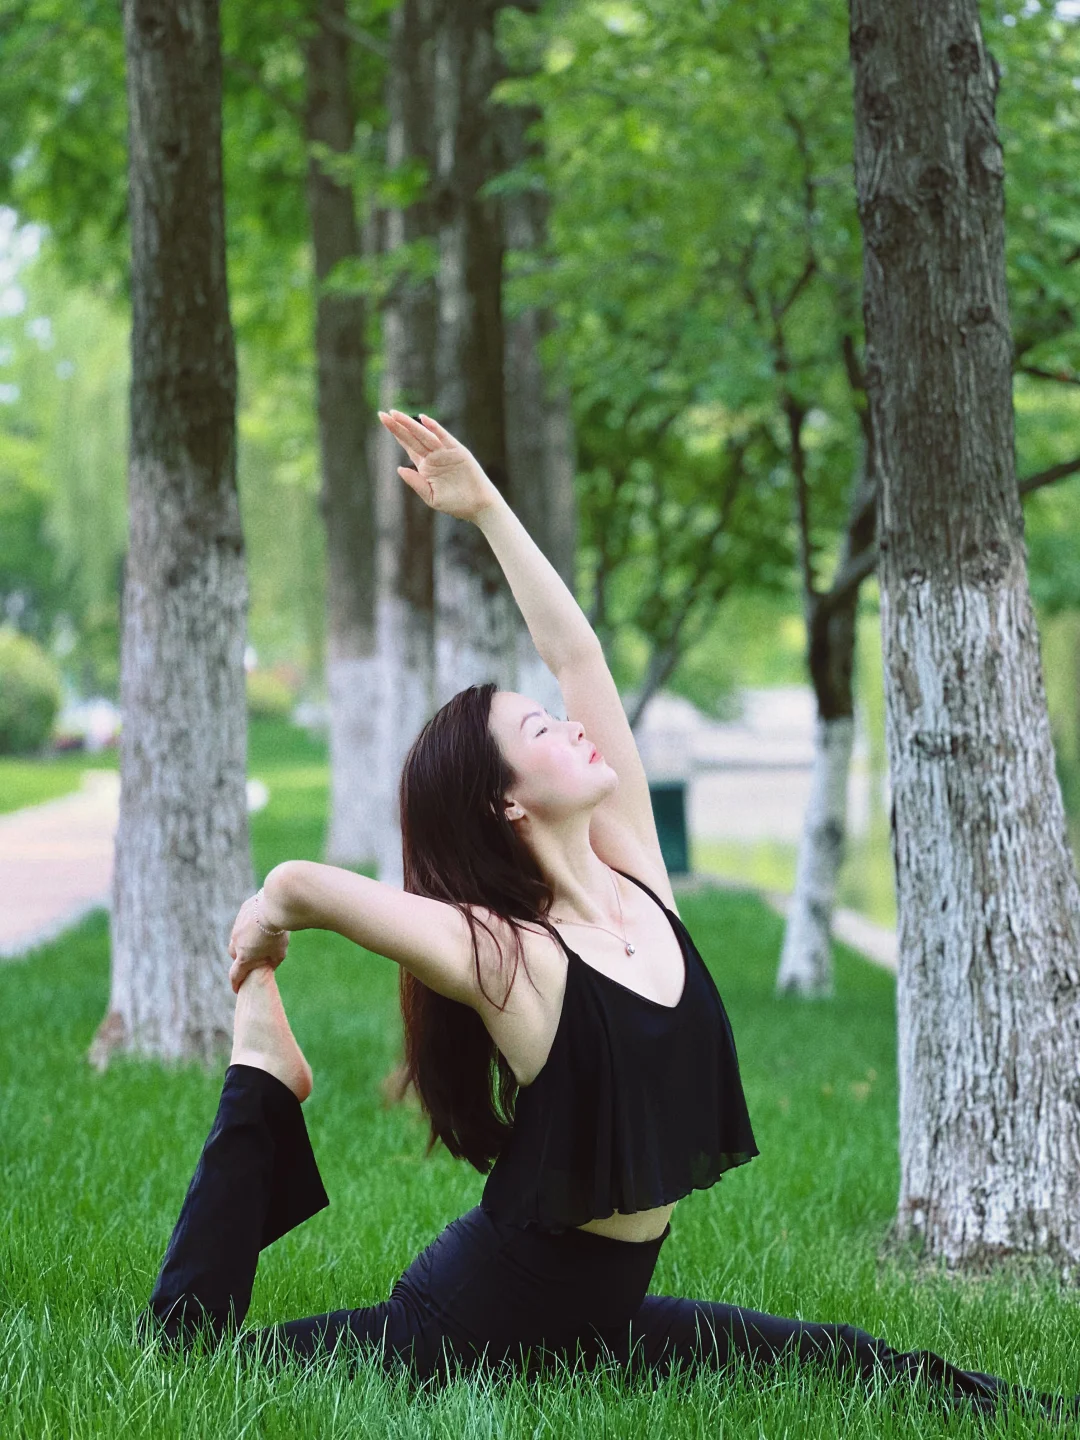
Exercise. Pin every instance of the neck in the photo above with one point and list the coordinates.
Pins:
(585, 887)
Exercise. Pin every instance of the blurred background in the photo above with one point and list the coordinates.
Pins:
(731, 727)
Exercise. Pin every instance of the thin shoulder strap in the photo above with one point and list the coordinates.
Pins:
(643, 886)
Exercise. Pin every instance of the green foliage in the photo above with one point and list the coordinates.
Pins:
(697, 158)
(63, 130)
(63, 455)
(26, 558)
(30, 693)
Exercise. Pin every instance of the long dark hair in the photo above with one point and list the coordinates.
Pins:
(458, 846)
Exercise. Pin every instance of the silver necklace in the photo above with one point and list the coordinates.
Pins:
(629, 948)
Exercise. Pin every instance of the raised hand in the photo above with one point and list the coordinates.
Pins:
(447, 476)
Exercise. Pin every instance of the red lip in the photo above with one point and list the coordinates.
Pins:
(594, 754)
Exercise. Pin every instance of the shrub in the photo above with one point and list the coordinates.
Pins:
(30, 693)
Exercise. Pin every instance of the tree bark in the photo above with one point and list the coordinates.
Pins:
(406, 590)
(476, 624)
(806, 957)
(182, 860)
(989, 904)
(346, 498)
(539, 425)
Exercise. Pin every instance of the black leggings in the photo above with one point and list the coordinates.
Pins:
(484, 1292)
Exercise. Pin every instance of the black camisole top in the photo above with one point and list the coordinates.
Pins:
(637, 1104)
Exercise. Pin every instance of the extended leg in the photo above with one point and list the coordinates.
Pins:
(255, 1180)
(669, 1331)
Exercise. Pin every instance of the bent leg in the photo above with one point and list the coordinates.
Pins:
(669, 1332)
(256, 1179)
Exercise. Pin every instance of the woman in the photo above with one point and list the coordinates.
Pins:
(601, 1080)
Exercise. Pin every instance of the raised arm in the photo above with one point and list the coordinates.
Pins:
(556, 621)
(448, 478)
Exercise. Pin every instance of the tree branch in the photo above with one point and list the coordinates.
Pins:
(270, 90)
(809, 270)
(1063, 377)
(860, 566)
(853, 574)
(349, 31)
(1047, 477)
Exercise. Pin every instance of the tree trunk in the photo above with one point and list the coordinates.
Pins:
(806, 958)
(539, 424)
(346, 499)
(989, 905)
(476, 617)
(406, 594)
(182, 860)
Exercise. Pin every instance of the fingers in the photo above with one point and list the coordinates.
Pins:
(409, 432)
(239, 970)
(434, 425)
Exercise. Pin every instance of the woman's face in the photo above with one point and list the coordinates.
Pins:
(551, 757)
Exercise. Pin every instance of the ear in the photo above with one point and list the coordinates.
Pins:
(514, 811)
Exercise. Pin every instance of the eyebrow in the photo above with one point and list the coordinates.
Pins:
(529, 716)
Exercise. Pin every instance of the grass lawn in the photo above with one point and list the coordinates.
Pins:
(32, 781)
(94, 1168)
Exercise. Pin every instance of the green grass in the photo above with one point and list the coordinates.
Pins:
(94, 1168)
(35, 780)
(283, 750)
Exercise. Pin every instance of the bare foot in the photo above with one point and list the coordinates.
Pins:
(262, 1037)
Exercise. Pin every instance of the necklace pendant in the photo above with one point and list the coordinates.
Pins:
(629, 948)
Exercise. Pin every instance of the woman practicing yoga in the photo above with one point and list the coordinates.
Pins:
(602, 1080)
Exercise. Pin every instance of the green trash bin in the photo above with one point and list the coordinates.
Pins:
(669, 811)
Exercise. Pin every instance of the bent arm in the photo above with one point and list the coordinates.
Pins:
(556, 622)
(427, 937)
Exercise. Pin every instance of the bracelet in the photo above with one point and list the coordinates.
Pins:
(258, 897)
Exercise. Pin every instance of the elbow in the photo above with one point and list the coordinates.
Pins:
(291, 897)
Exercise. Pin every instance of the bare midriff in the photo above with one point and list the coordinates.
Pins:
(641, 1225)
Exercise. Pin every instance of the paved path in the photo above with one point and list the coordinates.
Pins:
(56, 865)
(56, 862)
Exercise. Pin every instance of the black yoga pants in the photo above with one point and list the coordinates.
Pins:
(483, 1293)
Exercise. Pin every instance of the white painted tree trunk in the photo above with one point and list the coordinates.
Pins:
(353, 688)
(405, 688)
(182, 864)
(347, 500)
(988, 986)
(405, 633)
(988, 979)
(806, 959)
